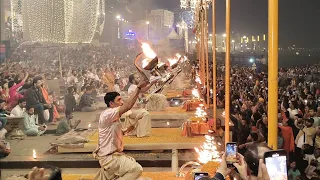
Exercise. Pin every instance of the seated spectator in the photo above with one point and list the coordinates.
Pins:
(29, 123)
(45, 173)
(19, 109)
(13, 91)
(70, 100)
(86, 101)
(4, 149)
(311, 171)
(65, 125)
(3, 109)
(36, 100)
(315, 156)
(293, 172)
(3, 128)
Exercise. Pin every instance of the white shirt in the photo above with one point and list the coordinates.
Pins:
(292, 113)
(110, 132)
(17, 111)
(72, 80)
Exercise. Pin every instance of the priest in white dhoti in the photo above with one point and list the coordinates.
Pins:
(138, 116)
(114, 163)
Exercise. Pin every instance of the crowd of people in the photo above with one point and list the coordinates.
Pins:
(87, 72)
(298, 114)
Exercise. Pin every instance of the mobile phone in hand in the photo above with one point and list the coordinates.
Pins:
(276, 163)
(199, 175)
(231, 153)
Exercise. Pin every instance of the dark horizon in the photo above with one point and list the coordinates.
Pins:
(250, 17)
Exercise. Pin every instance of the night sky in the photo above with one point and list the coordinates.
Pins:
(298, 19)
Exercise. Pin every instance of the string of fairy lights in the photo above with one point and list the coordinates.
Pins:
(63, 21)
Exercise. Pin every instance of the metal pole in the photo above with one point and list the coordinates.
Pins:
(202, 49)
(214, 65)
(227, 69)
(207, 56)
(273, 74)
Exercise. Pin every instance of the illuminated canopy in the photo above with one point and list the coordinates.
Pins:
(62, 21)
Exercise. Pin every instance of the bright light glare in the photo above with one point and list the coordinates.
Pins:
(148, 51)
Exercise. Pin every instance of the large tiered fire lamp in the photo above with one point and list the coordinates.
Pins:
(151, 63)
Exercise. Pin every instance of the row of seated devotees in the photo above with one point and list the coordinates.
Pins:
(33, 126)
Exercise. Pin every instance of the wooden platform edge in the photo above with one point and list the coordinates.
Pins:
(88, 148)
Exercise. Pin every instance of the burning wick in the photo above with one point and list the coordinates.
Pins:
(168, 123)
(34, 154)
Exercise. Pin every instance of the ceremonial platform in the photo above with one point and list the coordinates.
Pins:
(160, 139)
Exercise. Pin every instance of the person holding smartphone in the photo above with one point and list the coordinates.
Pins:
(251, 162)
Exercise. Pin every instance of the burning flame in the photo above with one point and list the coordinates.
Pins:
(195, 93)
(168, 123)
(145, 62)
(223, 113)
(178, 55)
(198, 80)
(208, 151)
(200, 112)
(173, 61)
(148, 51)
(34, 154)
(89, 126)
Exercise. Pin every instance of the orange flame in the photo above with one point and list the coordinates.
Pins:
(172, 61)
(148, 51)
(208, 151)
